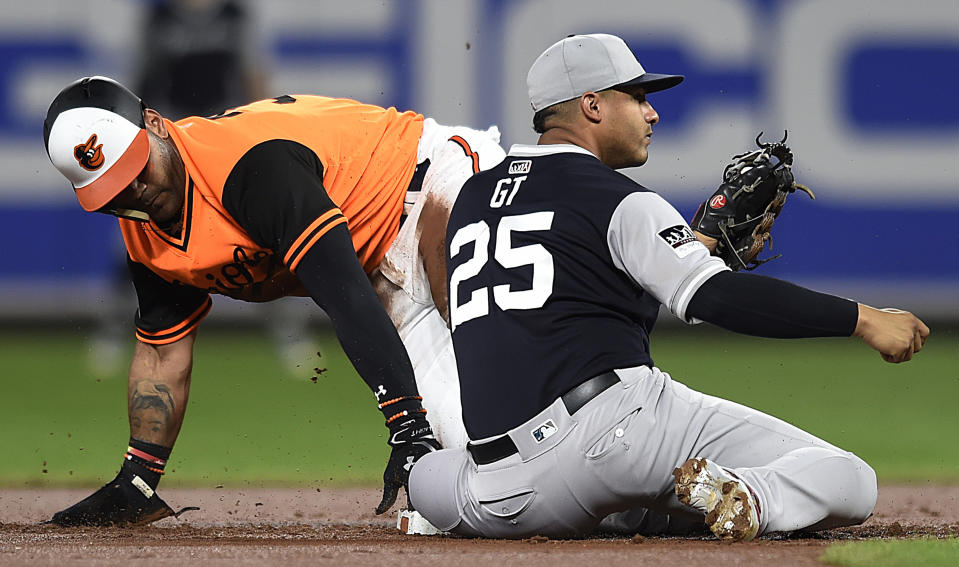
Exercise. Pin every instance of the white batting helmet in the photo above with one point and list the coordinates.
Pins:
(95, 136)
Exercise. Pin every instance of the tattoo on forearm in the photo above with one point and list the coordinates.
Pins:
(151, 406)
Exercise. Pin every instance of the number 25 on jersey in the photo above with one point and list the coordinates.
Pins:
(506, 256)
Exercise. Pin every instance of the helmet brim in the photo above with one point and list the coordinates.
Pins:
(112, 182)
(654, 82)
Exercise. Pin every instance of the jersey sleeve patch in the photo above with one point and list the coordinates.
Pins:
(649, 241)
(679, 238)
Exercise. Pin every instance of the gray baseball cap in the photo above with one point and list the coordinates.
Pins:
(582, 63)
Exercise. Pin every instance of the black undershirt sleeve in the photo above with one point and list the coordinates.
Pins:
(767, 307)
(275, 191)
(337, 283)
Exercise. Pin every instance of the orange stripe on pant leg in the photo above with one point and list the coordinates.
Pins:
(469, 151)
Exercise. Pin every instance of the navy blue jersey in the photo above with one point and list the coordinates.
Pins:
(557, 266)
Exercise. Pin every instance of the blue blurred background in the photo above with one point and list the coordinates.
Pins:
(864, 88)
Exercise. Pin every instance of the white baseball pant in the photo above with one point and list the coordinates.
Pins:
(617, 454)
(455, 154)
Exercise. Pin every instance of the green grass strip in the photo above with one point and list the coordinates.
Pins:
(251, 421)
(928, 552)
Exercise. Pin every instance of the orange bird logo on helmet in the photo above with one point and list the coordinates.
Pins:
(89, 154)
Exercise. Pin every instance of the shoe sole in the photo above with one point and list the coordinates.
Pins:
(159, 514)
(90, 521)
(728, 506)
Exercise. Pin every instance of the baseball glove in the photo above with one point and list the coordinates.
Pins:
(741, 213)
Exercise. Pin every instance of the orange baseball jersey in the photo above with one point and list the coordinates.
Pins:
(265, 182)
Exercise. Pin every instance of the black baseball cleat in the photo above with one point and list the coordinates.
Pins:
(127, 500)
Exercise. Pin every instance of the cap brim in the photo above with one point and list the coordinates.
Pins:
(94, 196)
(653, 82)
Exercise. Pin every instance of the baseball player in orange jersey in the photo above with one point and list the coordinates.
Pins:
(299, 195)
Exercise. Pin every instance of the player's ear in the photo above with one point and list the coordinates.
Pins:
(154, 122)
(589, 105)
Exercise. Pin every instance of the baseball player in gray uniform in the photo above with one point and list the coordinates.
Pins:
(557, 267)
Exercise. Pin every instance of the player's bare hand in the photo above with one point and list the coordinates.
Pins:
(708, 241)
(897, 335)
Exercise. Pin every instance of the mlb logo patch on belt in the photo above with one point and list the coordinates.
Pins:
(544, 431)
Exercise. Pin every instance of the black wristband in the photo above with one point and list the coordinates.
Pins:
(407, 405)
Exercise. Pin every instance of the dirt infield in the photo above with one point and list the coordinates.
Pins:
(292, 527)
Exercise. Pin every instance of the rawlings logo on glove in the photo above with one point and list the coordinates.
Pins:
(741, 212)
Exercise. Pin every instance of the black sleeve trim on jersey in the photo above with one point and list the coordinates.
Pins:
(167, 312)
(337, 283)
(308, 238)
(179, 331)
(275, 192)
(767, 307)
